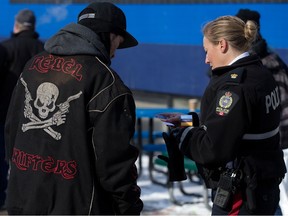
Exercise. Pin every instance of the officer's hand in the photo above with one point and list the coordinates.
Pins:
(175, 159)
(195, 119)
(178, 131)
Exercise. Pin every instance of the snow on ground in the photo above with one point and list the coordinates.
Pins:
(156, 197)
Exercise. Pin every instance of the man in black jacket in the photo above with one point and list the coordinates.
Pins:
(17, 50)
(69, 141)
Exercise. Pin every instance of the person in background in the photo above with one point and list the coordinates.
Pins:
(18, 49)
(70, 122)
(237, 145)
(279, 70)
(3, 163)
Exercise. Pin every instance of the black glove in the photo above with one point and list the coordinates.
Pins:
(175, 161)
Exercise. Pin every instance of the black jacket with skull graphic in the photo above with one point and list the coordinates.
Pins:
(68, 132)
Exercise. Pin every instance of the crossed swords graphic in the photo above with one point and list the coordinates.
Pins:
(57, 119)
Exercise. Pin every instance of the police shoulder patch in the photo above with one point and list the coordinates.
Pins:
(226, 100)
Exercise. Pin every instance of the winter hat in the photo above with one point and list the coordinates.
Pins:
(106, 17)
(26, 17)
(246, 14)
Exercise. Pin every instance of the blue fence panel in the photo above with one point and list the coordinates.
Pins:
(170, 57)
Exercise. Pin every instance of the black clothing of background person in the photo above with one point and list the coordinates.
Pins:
(3, 164)
(19, 49)
(3, 73)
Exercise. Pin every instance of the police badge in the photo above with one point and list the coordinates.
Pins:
(225, 102)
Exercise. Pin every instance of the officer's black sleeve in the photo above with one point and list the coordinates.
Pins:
(217, 141)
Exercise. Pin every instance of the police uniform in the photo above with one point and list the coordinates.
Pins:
(240, 115)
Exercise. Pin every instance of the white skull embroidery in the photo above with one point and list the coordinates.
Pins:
(47, 94)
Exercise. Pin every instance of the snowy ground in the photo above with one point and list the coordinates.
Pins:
(156, 197)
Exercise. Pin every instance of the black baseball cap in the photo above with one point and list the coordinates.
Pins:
(106, 17)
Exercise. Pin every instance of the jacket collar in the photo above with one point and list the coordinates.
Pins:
(26, 33)
(252, 59)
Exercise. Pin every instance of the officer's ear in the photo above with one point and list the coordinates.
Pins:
(223, 45)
